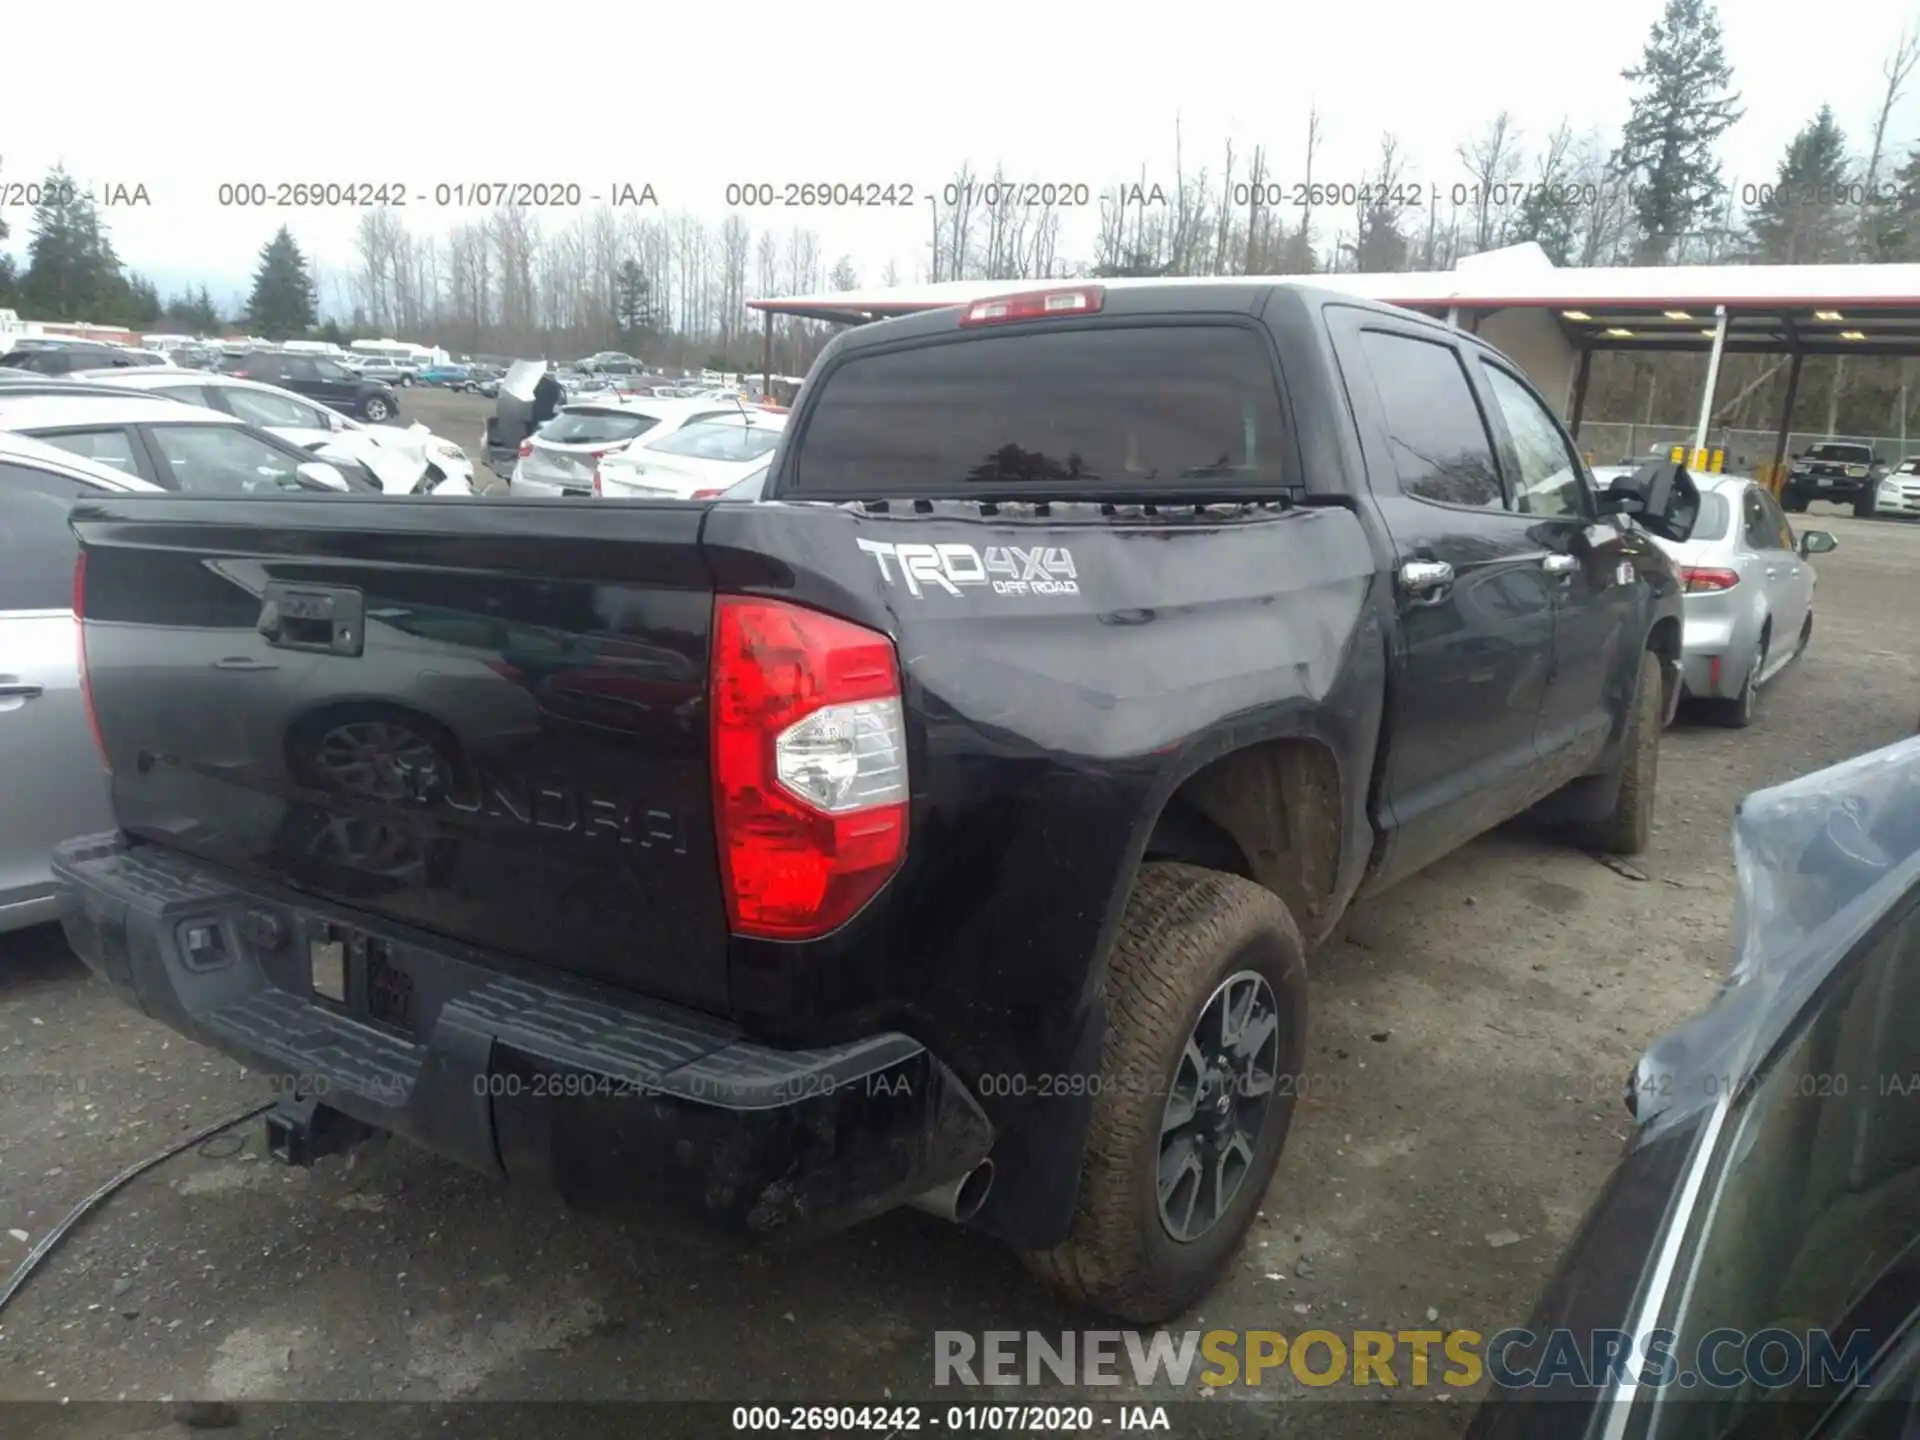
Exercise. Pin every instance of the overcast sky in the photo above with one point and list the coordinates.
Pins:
(836, 92)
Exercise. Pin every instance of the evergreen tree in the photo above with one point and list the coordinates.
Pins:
(143, 308)
(72, 271)
(203, 314)
(843, 277)
(1802, 219)
(633, 303)
(1549, 216)
(1684, 105)
(1896, 227)
(282, 303)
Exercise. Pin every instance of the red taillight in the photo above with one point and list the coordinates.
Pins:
(809, 766)
(596, 482)
(1040, 304)
(1700, 580)
(526, 448)
(708, 494)
(80, 651)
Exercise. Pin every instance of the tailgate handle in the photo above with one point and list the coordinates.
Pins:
(326, 619)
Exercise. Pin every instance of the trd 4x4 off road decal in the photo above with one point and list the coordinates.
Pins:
(1010, 570)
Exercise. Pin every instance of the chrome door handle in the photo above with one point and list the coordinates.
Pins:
(1425, 577)
(1773, 572)
(1560, 564)
(21, 692)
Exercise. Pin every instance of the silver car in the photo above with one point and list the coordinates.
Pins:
(1749, 593)
(56, 784)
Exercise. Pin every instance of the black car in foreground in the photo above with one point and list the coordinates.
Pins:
(1752, 1268)
(319, 378)
(950, 830)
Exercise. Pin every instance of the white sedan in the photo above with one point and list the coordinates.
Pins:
(413, 461)
(700, 461)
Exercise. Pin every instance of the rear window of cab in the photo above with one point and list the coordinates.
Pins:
(1109, 407)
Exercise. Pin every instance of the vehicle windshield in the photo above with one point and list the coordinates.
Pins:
(1850, 454)
(596, 427)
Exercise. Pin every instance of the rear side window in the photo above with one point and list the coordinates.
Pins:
(108, 447)
(36, 547)
(1715, 513)
(596, 427)
(1441, 450)
(1166, 407)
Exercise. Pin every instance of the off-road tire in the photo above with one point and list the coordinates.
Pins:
(1790, 501)
(1185, 930)
(1627, 829)
(1866, 505)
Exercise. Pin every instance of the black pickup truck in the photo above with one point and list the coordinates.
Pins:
(949, 828)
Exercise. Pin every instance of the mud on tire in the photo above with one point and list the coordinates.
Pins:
(1185, 931)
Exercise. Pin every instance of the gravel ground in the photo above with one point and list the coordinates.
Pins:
(1474, 1027)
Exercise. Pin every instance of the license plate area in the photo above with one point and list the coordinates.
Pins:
(357, 973)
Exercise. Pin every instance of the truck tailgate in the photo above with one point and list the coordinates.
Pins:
(486, 721)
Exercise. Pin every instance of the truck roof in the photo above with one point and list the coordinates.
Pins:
(1221, 295)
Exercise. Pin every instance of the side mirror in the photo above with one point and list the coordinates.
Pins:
(1660, 495)
(320, 473)
(1817, 542)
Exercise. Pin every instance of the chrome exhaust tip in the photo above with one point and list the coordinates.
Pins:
(958, 1200)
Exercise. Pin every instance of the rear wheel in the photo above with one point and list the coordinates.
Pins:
(1204, 1036)
(1738, 713)
(1627, 828)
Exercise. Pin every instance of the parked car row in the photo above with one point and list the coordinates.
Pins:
(687, 449)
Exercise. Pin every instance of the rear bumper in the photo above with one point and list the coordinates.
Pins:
(520, 483)
(606, 1098)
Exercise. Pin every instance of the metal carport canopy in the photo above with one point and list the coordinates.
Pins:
(1552, 319)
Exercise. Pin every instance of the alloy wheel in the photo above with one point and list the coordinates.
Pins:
(1218, 1105)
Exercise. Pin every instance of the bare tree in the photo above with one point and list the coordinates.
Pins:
(736, 243)
(1301, 260)
(1896, 70)
(1492, 161)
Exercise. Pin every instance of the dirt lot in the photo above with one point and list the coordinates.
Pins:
(1475, 1027)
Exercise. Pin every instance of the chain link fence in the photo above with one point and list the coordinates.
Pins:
(1747, 451)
